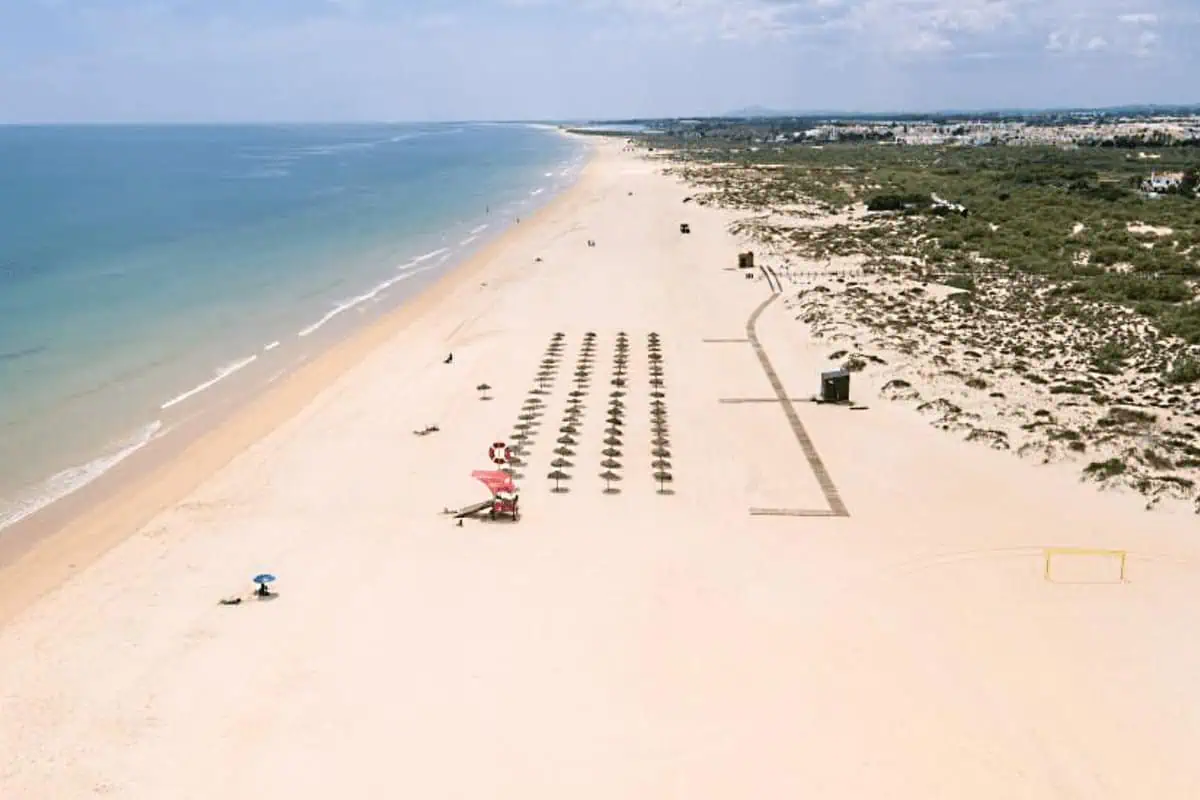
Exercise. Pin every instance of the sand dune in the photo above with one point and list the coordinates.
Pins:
(627, 645)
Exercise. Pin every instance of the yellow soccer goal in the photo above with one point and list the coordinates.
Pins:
(1095, 556)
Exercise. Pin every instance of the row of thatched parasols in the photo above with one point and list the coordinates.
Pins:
(529, 420)
(659, 430)
(615, 418)
(573, 416)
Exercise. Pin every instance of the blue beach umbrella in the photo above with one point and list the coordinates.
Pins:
(262, 579)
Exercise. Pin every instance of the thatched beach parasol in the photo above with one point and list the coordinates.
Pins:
(561, 463)
(564, 451)
(609, 476)
(663, 477)
(558, 476)
(610, 463)
(483, 390)
(611, 452)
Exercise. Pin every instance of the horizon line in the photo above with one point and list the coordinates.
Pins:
(758, 112)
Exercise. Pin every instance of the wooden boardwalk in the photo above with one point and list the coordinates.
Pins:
(836, 507)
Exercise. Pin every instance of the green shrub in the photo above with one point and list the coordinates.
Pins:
(1101, 470)
(1110, 358)
(897, 202)
(1184, 370)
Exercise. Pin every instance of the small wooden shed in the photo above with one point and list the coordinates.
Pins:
(746, 260)
(835, 386)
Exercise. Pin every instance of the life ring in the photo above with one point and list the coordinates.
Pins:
(499, 453)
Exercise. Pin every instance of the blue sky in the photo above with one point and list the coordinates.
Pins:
(315, 60)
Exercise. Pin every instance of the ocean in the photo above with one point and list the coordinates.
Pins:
(140, 267)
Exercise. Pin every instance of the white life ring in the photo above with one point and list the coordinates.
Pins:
(500, 453)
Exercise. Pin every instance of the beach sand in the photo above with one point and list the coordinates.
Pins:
(627, 645)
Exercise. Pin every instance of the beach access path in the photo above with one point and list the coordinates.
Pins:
(827, 603)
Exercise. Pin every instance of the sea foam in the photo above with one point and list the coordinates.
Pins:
(75, 478)
(407, 270)
(220, 375)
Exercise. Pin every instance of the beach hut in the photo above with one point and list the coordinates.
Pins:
(835, 386)
(746, 260)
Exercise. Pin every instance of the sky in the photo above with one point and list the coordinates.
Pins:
(420, 60)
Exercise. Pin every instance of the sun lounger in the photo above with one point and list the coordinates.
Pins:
(473, 509)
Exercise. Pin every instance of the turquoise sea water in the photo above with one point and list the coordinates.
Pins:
(140, 267)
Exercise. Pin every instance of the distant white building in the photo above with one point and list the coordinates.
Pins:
(1160, 182)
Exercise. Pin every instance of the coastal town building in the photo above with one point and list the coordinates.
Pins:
(1161, 182)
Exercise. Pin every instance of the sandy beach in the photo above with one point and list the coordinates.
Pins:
(827, 602)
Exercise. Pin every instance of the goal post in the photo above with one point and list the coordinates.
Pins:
(1120, 556)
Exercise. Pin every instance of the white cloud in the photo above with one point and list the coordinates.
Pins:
(1074, 42)
(747, 20)
(1147, 44)
(881, 29)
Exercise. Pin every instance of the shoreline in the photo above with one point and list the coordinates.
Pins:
(42, 550)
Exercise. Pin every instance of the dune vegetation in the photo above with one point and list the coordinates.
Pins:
(1036, 296)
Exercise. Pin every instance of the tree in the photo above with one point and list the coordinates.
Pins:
(1187, 186)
